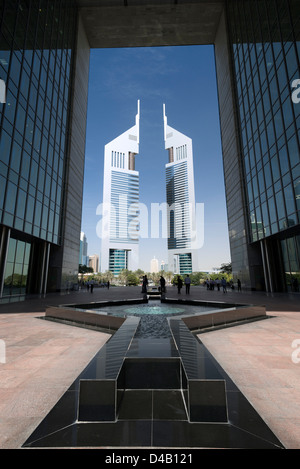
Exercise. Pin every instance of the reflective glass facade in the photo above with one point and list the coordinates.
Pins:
(17, 265)
(185, 263)
(118, 260)
(178, 203)
(124, 204)
(35, 62)
(265, 37)
(291, 260)
(36, 47)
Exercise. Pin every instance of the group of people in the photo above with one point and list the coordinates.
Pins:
(162, 284)
(218, 283)
(187, 282)
(90, 285)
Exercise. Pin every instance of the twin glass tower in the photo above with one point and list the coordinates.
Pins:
(120, 224)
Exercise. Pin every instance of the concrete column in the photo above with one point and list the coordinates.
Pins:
(63, 262)
(246, 260)
(5, 237)
(44, 269)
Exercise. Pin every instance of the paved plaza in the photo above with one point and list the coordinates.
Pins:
(43, 358)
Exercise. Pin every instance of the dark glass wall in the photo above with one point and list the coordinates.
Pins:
(291, 261)
(35, 62)
(17, 267)
(36, 52)
(265, 42)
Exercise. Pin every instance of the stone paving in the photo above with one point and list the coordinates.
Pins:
(43, 358)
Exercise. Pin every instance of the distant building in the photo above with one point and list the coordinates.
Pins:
(182, 237)
(83, 257)
(154, 265)
(94, 262)
(120, 225)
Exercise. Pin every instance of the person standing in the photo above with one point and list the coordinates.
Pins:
(239, 285)
(162, 284)
(224, 285)
(187, 282)
(144, 284)
(179, 284)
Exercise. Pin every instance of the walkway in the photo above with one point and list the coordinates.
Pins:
(42, 358)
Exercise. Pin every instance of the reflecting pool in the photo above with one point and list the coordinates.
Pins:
(154, 314)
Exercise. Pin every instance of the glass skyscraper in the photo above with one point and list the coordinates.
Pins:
(180, 192)
(120, 223)
(36, 56)
(265, 47)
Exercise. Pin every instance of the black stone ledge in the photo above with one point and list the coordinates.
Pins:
(224, 314)
(84, 314)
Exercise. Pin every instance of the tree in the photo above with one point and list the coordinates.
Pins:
(108, 276)
(168, 276)
(132, 279)
(139, 272)
(226, 268)
(197, 277)
(155, 276)
(84, 269)
(122, 277)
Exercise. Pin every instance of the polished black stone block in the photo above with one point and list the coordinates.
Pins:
(136, 405)
(207, 401)
(169, 405)
(63, 414)
(179, 434)
(152, 373)
(152, 348)
(124, 433)
(97, 401)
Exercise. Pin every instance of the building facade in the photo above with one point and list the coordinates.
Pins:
(265, 52)
(120, 222)
(38, 214)
(83, 250)
(154, 265)
(44, 64)
(181, 211)
(94, 262)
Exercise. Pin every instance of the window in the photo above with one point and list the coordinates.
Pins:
(16, 271)
(5, 145)
(11, 194)
(293, 148)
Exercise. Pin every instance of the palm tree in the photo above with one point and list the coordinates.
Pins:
(109, 275)
(168, 276)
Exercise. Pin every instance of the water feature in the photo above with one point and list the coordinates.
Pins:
(153, 316)
(153, 384)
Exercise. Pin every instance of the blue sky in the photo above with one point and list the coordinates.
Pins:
(182, 78)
